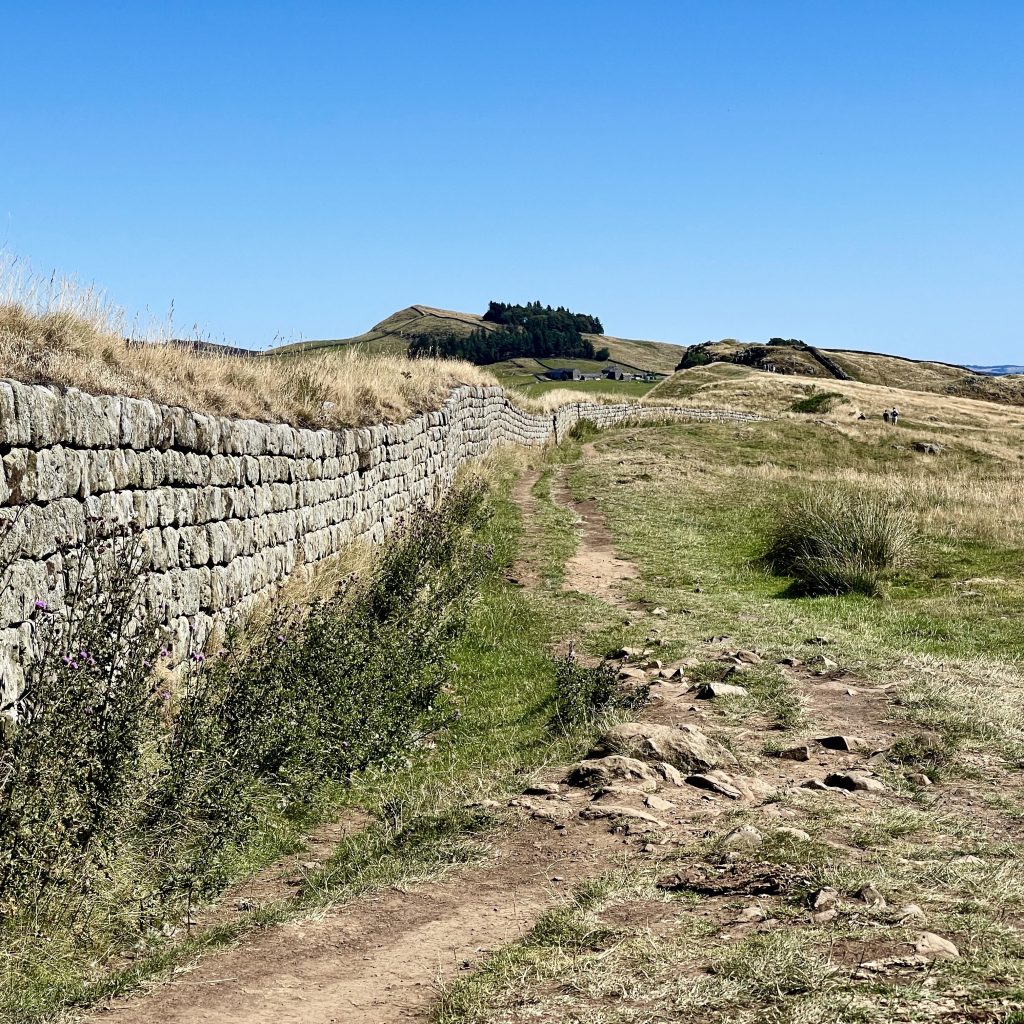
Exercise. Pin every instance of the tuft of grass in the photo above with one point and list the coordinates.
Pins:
(818, 401)
(834, 541)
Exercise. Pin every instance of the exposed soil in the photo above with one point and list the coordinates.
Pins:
(379, 959)
(596, 568)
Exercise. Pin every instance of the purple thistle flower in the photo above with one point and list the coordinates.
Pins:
(42, 606)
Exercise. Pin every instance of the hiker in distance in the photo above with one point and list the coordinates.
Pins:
(885, 415)
(895, 415)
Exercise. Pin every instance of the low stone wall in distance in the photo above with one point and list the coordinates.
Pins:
(229, 508)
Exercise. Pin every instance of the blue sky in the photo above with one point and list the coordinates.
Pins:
(848, 173)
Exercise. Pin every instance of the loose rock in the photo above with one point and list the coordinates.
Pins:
(685, 747)
(798, 753)
(935, 947)
(852, 744)
(619, 811)
(715, 784)
(603, 771)
(855, 781)
(746, 837)
(709, 691)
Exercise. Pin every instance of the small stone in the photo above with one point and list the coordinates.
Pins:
(825, 898)
(802, 752)
(613, 768)
(824, 916)
(788, 832)
(710, 691)
(652, 666)
(918, 779)
(629, 672)
(911, 912)
(746, 837)
(822, 664)
(619, 811)
(935, 947)
(661, 613)
(672, 775)
(855, 781)
(818, 785)
(871, 896)
(543, 789)
(818, 641)
(656, 803)
(751, 915)
(714, 785)
(618, 792)
(852, 744)
(748, 657)
(790, 662)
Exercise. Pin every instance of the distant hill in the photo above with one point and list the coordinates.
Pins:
(996, 371)
(864, 367)
(392, 336)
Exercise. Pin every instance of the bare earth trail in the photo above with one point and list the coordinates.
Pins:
(380, 959)
(596, 568)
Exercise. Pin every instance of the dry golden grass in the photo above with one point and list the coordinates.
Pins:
(55, 332)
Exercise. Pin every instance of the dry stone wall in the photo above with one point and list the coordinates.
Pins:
(228, 508)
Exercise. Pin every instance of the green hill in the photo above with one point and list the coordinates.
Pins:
(392, 336)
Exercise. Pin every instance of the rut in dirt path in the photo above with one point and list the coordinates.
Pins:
(596, 568)
(380, 959)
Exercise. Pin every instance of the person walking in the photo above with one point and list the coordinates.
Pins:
(895, 415)
(885, 416)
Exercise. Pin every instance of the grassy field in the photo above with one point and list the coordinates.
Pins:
(625, 388)
(940, 654)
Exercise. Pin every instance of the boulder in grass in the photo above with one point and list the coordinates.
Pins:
(606, 771)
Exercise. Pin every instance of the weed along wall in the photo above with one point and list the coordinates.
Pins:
(227, 508)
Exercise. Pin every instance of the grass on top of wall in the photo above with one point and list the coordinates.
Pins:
(57, 332)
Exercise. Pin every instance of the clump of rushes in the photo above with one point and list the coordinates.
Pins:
(835, 541)
(817, 401)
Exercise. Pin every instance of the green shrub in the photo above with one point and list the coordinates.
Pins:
(70, 767)
(583, 694)
(121, 787)
(818, 401)
(837, 541)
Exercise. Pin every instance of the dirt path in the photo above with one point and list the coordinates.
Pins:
(380, 960)
(596, 568)
(377, 960)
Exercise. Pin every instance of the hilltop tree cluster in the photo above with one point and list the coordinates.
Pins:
(530, 331)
